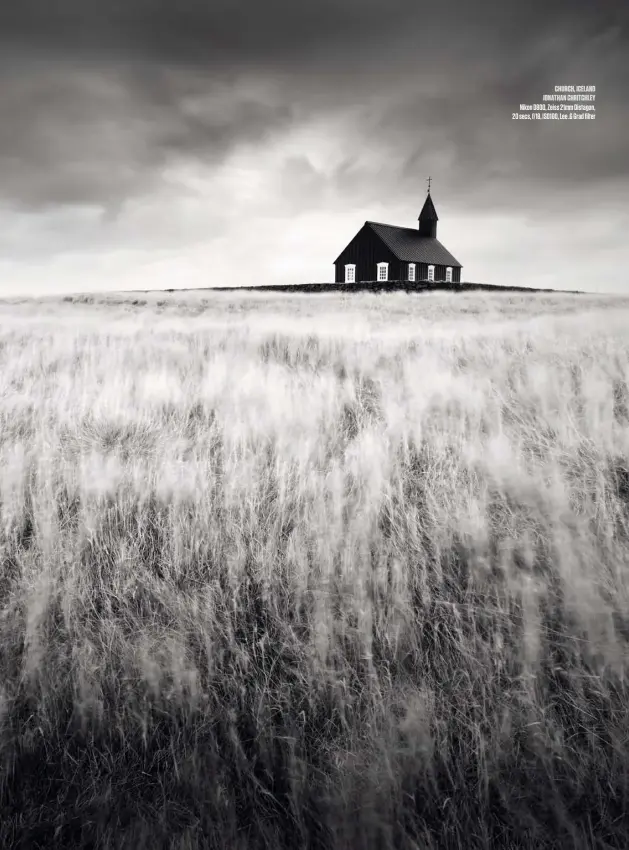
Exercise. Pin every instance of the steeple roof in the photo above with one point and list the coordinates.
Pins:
(428, 213)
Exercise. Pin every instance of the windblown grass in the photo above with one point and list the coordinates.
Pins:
(314, 572)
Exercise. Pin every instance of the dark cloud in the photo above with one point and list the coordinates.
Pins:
(100, 98)
(471, 123)
(197, 31)
(456, 123)
(241, 29)
(73, 135)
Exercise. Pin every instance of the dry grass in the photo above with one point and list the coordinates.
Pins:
(311, 571)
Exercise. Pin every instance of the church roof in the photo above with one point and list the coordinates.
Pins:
(410, 246)
(429, 213)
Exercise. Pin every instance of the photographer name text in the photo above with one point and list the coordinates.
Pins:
(565, 103)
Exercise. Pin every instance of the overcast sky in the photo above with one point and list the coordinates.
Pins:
(172, 143)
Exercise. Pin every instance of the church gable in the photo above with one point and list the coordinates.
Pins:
(364, 253)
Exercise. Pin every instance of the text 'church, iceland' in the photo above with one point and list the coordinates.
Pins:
(382, 253)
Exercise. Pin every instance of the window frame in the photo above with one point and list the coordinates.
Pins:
(384, 266)
(449, 274)
(431, 274)
(412, 272)
(350, 267)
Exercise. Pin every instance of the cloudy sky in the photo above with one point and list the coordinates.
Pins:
(185, 143)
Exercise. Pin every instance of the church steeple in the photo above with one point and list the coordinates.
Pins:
(428, 217)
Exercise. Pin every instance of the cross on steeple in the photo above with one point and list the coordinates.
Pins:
(429, 181)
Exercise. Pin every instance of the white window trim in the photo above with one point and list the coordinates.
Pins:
(449, 274)
(431, 273)
(411, 271)
(350, 273)
(384, 266)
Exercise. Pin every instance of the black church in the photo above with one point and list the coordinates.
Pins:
(384, 253)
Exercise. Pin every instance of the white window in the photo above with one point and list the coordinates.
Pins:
(431, 272)
(448, 275)
(350, 273)
(383, 271)
(411, 271)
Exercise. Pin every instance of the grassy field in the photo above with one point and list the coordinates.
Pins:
(314, 571)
